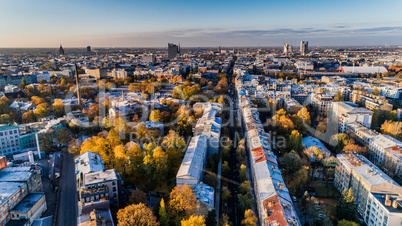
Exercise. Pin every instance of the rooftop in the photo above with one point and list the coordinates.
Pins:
(28, 202)
(100, 177)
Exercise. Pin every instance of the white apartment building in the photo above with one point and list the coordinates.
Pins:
(119, 73)
(383, 209)
(9, 140)
(347, 112)
(386, 153)
(366, 180)
(322, 102)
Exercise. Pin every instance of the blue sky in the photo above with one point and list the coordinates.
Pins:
(195, 23)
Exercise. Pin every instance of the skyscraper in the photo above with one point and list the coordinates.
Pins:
(287, 48)
(88, 49)
(173, 50)
(303, 47)
(61, 50)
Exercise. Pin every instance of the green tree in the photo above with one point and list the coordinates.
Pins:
(295, 141)
(163, 215)
(139, 215)
(346, 208)
(347, 223)
(5, 119)
(23, 82)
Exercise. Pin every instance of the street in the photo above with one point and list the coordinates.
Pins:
(67, 208)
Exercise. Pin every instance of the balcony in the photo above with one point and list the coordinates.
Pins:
(86, 192)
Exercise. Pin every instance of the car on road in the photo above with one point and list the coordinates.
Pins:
(294, 199)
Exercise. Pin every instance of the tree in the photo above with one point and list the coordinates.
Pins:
(139, 215)
(194, 221)
(159, 165)
(23, 82)
(376, 91)
(28, 117)
(321, 127)
(5, 119)
(338, 97)
(347, 223)
(245, 201)
(58, 107)
(155, 116)
(355, 148)
(163, 215)
(62, 136)
(182, 199)
(295, 141)
(339, 141)
(242, 173)
(42, 110)
(346, 208)
(137, 197)
(393, 129)
(249, 218)
(37, 100)
(221, 101)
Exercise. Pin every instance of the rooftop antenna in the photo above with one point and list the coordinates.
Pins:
(78, 84)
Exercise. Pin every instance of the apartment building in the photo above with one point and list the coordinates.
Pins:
(274, 205)
(368, 184)
(10, 140)
(209, 125)
(386, 152)
(347, 112)
(322, 102)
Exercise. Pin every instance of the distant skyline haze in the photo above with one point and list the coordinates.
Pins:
(124, 23)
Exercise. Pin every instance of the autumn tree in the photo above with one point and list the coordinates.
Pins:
(42, 110)
(58, 107)
(338, 97)
(137, 197)
(194, 221)
(157, 165)
(393, 129)
(182, 199)
(376, 91)
(37, 100)
(355, 148)
(28, 117)
(339, 141)
(139, 215)
(249, 218)
(155, 116)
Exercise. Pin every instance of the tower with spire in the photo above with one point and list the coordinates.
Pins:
(61, 50)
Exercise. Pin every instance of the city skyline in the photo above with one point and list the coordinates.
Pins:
(198, 24)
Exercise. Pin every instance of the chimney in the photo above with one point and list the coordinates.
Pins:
(279, 183)
(281, 187)
(387, 201)
(395, 204)
(367, 171)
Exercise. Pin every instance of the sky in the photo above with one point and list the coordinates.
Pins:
(195, 23)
